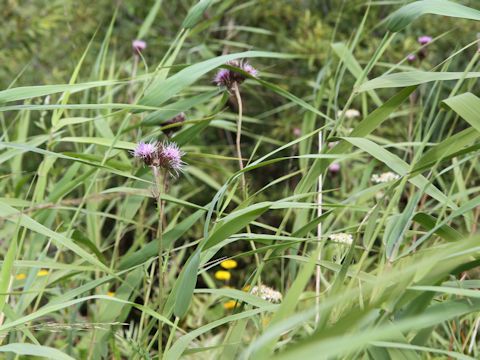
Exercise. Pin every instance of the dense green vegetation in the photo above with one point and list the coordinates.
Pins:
(239, 179)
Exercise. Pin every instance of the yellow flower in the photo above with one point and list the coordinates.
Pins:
(111, 293)
(223, 275)
(21, 276)
(42, 272)
(228, 264)
(230, 304)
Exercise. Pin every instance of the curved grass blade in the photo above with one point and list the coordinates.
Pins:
(411, 78)
(35, 350)
(161, 91)
(408, 13)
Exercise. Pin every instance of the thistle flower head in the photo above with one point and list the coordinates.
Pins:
(222, 77)
(334, 168)
(139, 45)
(227, 78)
(384, 177)
(411, 58)
(249, 69)
(169, 157)
(342, 238)
(424, 40)
(145, 151)
(267, 293)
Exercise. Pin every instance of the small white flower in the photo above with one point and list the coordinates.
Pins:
(342, 238)
(384, 178)
(349, 113)
(267, 293)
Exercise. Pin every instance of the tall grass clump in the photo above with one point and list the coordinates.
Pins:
(243, 180)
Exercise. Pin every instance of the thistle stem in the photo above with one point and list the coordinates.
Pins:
(239, 131)
(160, 188)
(318, 273)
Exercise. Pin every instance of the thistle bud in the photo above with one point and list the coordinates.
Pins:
(424, 40)
(138, 46)
(180, 118)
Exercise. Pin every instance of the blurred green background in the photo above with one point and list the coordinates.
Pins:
(45, 38)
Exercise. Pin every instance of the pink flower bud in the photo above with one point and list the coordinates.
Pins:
(424, 40)
(334, 168)
(139, 45)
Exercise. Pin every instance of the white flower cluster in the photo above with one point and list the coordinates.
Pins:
(342, 238)
(385, 177)
(349, 114)
(267, 293)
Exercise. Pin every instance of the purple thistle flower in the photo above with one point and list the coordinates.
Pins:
(411, 58)
(145, 152)
(139, 45)
(169, 157)
(424, 40)
(222, 77)
(227, 78)
(249, 69)
(334, 168)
